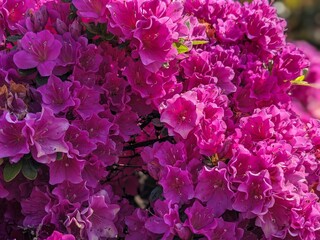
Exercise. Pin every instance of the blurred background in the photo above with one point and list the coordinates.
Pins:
(303, 18)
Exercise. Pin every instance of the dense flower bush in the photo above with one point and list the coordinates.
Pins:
(153, 119)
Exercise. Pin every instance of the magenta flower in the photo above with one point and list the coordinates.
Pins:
(76, 194)
(135, 224)
(98, 128)
(128, 124)
(276, 222)
(36, 208)
(78, 142)
(107, 153)
(47, 135)
(39, 50)
(225, 230)
(200, 218)
(76, 224)
(68, 54)
(101, 215)
(87, 101)
(66, 169)
(115, 88)
(56, 94)
(148, 85)
(93, 171)
(214, 189)
(177, 185)
(170, 154)
(258, 126)
(90, 58)
(255, 194)
(13, 138)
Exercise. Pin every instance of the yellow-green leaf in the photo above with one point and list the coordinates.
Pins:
(10, 171)
(199, 42)
(181, 48)
(300, 81)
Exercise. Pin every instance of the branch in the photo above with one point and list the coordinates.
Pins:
(147, 143)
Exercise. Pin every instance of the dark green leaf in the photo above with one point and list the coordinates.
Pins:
(10, 171)
(26, 72)
(123, 45)
(108, 36)
(41, 80)
(29, 169)
(156, 194)
(59, 156)
(13, 38)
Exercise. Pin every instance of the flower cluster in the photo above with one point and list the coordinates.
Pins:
(151, 119)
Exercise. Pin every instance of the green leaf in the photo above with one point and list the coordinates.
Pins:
(199, 42)
(10, 171)
(29, 169)
(181, 48)
(188, 24)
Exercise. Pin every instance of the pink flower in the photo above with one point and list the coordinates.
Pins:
(155, 42)
(181, 114)
(123, 18)
(92, 9)
(14, 11)
(59, 236)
